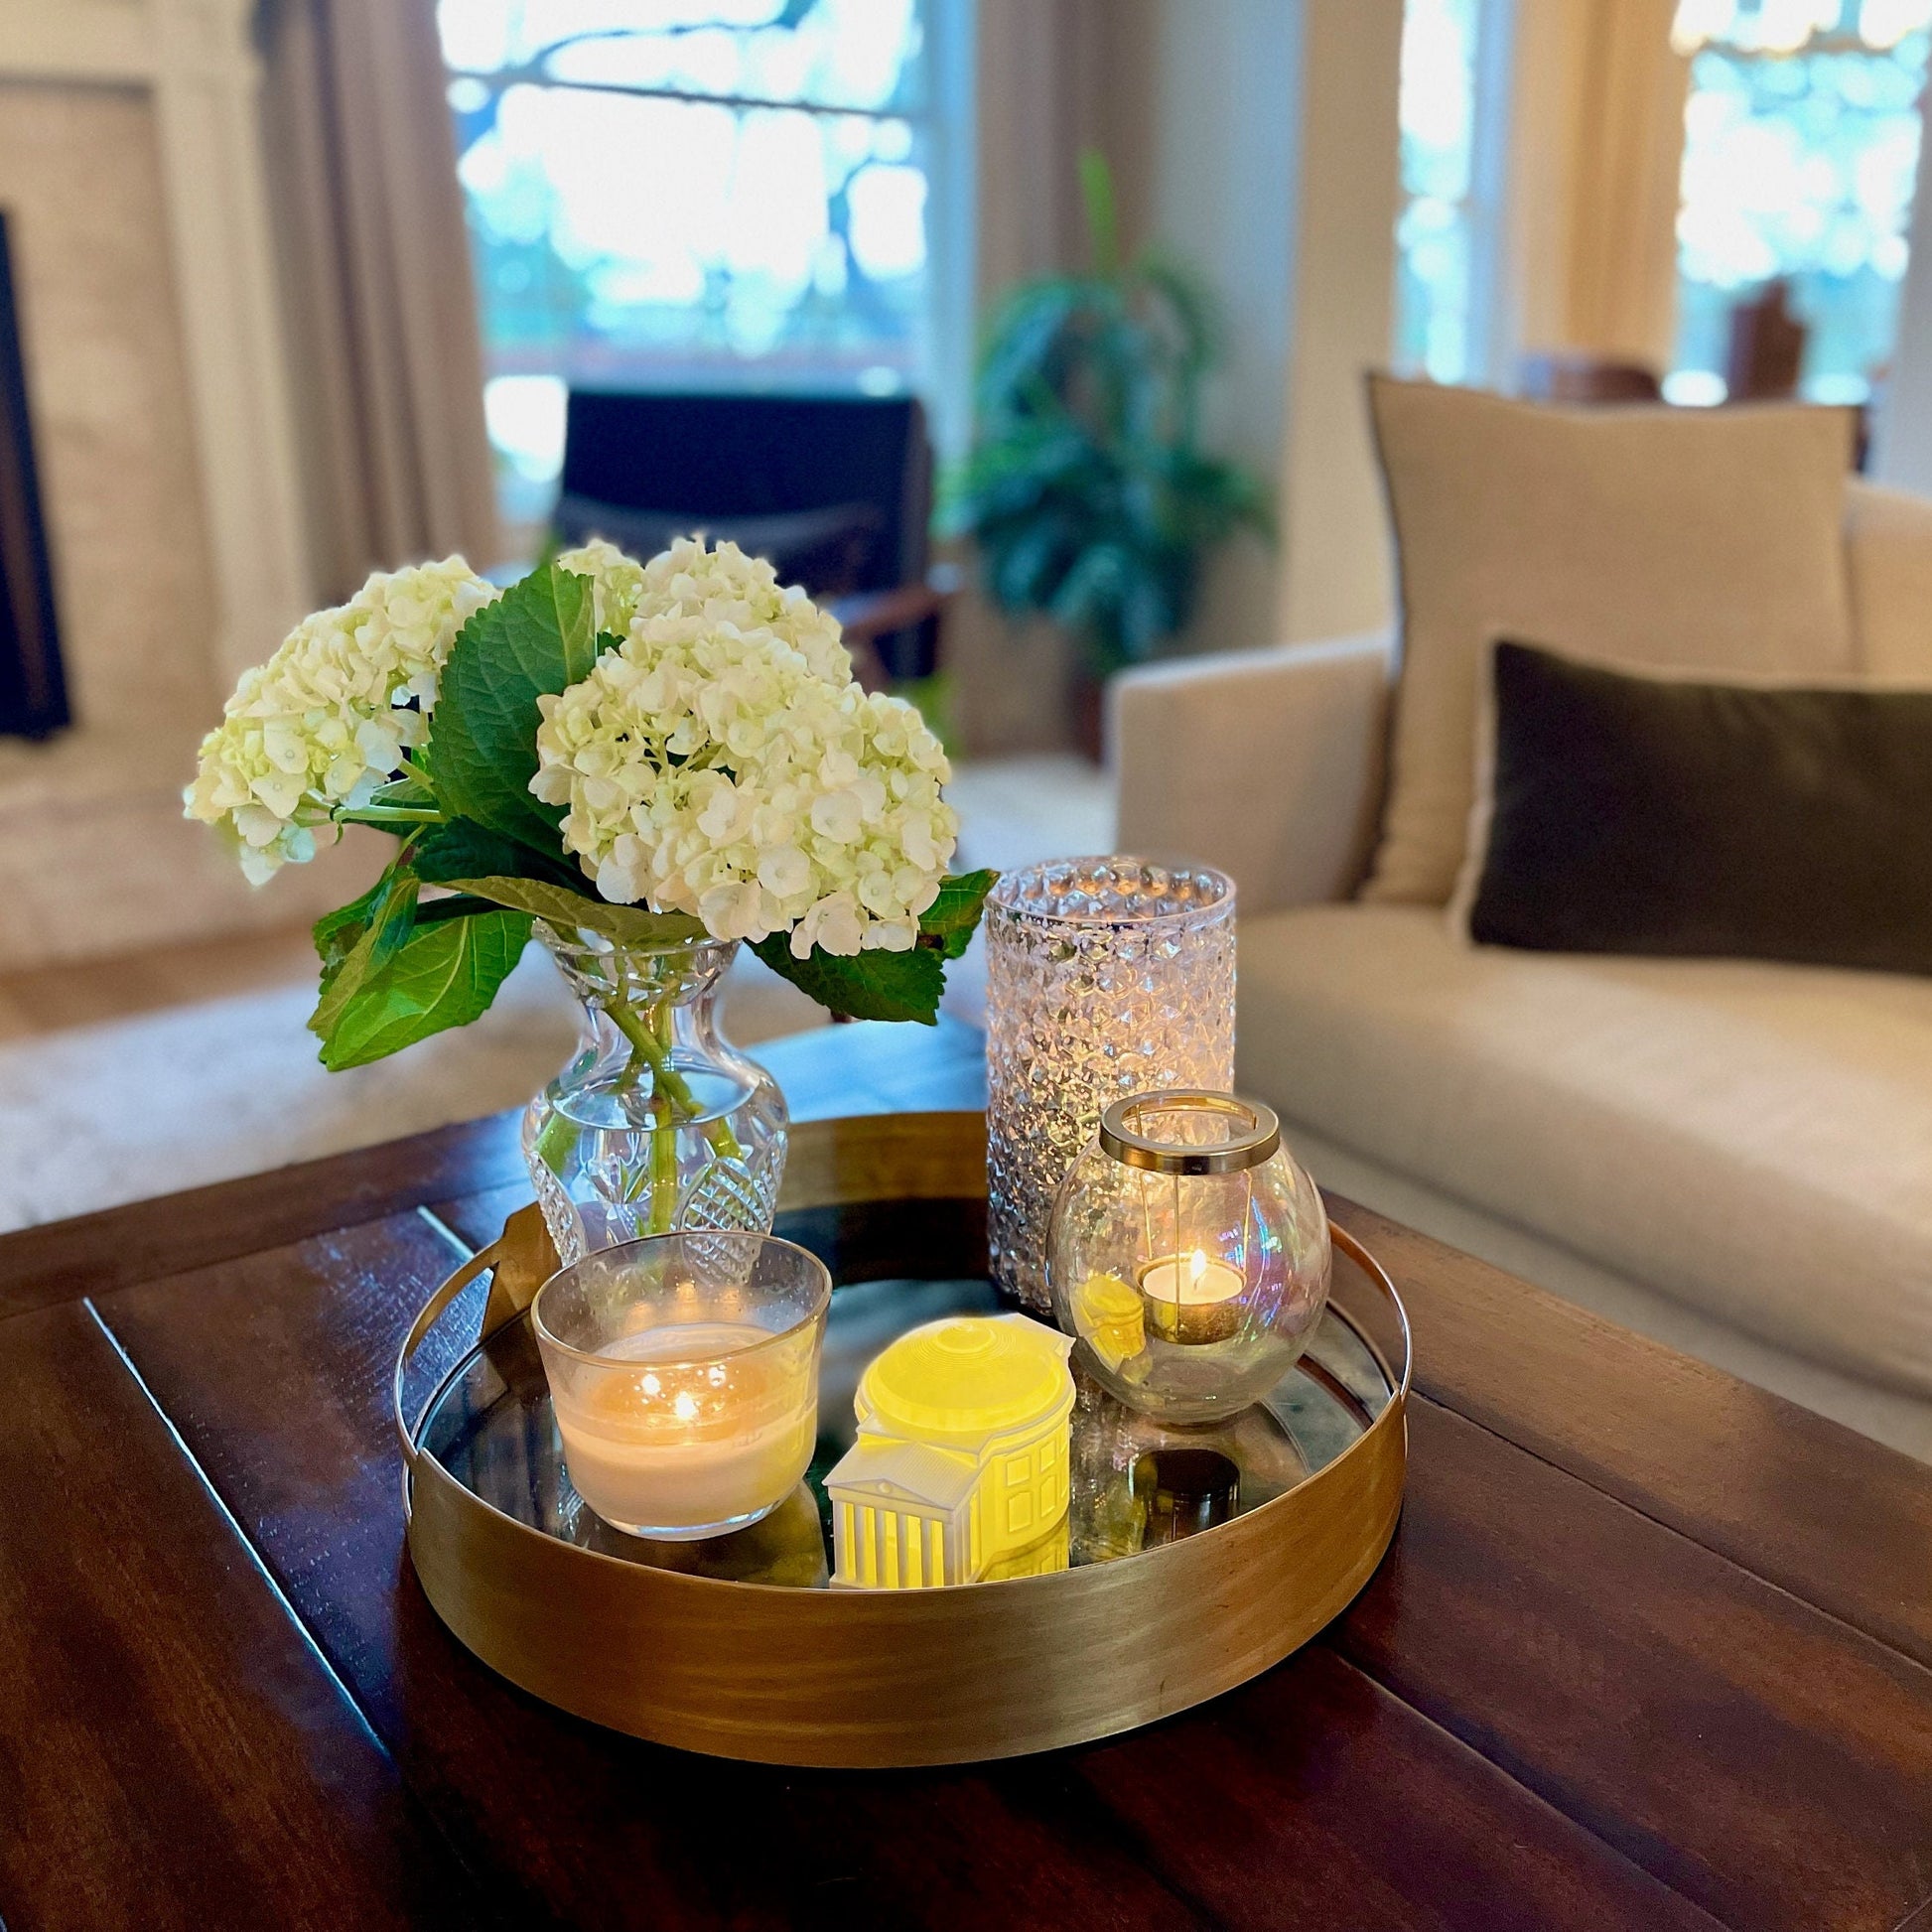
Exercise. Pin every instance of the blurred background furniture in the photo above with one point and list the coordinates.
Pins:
(1765, 354)
(1564, 375)
(835, 491)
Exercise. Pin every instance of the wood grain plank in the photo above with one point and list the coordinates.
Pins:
(1314, 1789)
(1756, 1755)
(173, 1752)
(273, 1368)
(1830, 1516)
(95, 1254)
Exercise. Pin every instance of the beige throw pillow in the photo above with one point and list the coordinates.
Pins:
(1675, 538)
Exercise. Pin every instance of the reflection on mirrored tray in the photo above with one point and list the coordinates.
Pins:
(1135, 1483)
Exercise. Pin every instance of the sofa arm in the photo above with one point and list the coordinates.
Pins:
(1267, 764)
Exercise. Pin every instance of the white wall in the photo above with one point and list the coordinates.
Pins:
(1261, 148)
(1335, 557)
(1901, 453)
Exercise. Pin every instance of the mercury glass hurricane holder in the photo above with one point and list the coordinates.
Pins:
(1189, 1255)
(1105, 978)
(657, 1122)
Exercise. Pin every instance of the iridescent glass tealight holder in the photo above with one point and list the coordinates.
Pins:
(683, 1371)
(1189, 1255)
(1105, 978)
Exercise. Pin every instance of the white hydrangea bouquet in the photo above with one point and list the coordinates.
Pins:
(640, 761)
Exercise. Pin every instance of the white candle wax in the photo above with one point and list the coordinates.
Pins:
(1192, 1298)
(712, 1437)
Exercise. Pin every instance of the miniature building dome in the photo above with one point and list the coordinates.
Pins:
(960, 1469)
(958, 1380)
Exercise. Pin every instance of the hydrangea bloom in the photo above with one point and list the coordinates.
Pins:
(324, 720)
(616, 582)
(722, 763)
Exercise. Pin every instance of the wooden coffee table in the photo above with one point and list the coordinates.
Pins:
(1652, 1649)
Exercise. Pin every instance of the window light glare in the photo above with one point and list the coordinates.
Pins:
(1884, 22)
(1695, 389)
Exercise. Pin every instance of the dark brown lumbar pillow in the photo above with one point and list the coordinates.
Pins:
(1644, 814)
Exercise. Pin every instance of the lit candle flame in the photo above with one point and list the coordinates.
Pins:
(1196, 1267)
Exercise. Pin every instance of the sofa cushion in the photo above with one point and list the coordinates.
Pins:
(1656, 814)
(1707, 540)
(1753, 1139)
(1888, 545)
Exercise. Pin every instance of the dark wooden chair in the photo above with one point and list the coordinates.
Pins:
(835, 491)
(1765, 350)
(1560, 375)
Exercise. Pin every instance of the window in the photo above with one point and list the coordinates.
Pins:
(1451, 127)
(1801, 150)
(698, 193)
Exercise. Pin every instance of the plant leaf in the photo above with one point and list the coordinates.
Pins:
(629, 925)
(948, 924)
(444, 975)
(411, 788)
(386, 931)
(336, 932)
(539, 636)
(868, 986)
(462, 849)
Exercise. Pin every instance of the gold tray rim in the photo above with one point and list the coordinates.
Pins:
(480, 1568)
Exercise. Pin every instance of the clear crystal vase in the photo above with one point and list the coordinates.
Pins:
(658, 1122)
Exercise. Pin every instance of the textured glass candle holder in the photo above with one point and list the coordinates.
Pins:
(1189, 1255)
(1105, 978)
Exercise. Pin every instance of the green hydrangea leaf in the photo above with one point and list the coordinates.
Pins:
(409, 788)
(353, 954)
(336, 932)
(627, 925)
(539, 636)
(462, 849)
(947, 926)
(445, 974)
(868, 986)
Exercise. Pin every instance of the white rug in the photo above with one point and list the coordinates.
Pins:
(94, 1116)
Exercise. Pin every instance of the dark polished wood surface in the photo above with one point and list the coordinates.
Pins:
(1652, 1649)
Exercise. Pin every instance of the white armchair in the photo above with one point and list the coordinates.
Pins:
(1267, 764)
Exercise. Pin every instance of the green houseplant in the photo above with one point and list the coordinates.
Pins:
(1088, 491)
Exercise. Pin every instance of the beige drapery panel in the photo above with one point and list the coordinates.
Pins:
(1598, 151)
(1040, 96)
(385, 352)
(1043, 93)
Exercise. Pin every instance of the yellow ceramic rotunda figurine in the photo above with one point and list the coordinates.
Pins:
(961, 1460)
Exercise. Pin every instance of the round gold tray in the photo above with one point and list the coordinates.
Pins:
(1159, 1591)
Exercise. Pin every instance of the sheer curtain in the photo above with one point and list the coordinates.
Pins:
(385, 355)
(1598, 149)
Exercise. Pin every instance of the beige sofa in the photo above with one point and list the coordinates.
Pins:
(1733, 1156)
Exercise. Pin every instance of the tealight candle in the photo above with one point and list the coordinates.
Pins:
(683, 1373)
(1192, 1298)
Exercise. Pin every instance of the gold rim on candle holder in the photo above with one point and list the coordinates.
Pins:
(1248, 1148)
